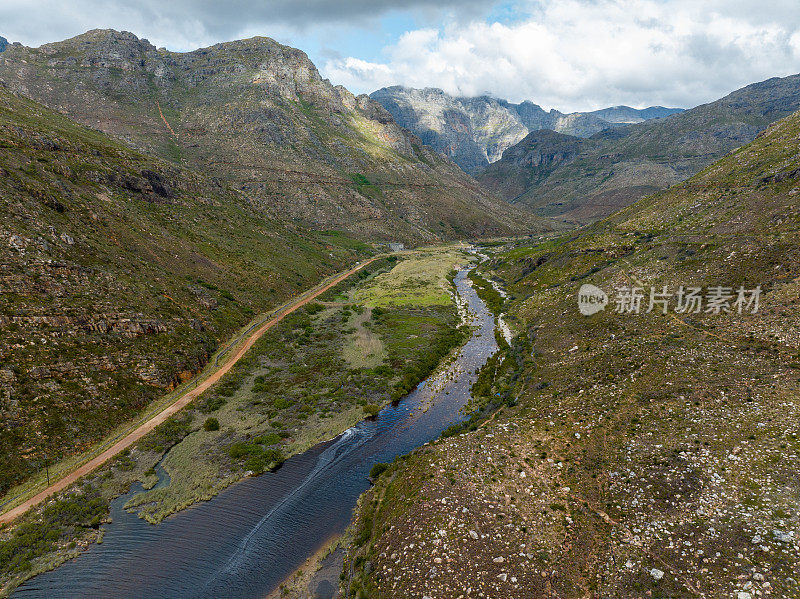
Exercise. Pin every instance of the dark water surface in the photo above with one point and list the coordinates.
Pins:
(248, 539)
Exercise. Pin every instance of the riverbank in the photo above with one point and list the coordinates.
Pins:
(266, 404)
(251, 537)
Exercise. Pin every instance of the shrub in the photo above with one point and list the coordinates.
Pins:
(167, 434)
(281, 403)
(372, 409)
(314, 308)
(211, 404)
(211, 424)
(377, 469)
(269, 439)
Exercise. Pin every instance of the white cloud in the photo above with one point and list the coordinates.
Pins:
(584, 54)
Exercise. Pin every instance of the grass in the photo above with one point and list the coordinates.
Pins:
(420, 280)
(177, 271)
(664, 442)
(294, 389)
(363, 348)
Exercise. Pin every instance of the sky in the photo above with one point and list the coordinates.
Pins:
(565, 54)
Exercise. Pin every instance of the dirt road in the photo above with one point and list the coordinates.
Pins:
(180, 402)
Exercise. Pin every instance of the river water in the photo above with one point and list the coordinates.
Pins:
(249, 538)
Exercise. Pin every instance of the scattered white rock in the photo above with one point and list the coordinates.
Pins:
(657, 574)
(783, 537)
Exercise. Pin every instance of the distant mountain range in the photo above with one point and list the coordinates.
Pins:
(582, 180)
(475, 131)
(258, 115)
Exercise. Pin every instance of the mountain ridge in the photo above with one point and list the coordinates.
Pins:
(616, 167)
(474, 131)
(633, 452)
(258, 115)
(120, 274)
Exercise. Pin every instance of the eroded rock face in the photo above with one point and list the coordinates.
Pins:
(475, 131)
(617, 166)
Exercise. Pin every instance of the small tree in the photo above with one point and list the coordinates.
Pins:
(211, 424)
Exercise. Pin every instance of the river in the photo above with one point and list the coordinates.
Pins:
(249, 538)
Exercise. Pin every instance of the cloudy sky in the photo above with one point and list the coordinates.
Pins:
(566, 54)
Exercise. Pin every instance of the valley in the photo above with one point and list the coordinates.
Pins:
(634, 453)
(265, 411)
(262, 336)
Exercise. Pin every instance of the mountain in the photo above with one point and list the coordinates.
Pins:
(119, 275)
(616, 167)
(474, 131)
(3, 43)
(643, 454)
(258, 116)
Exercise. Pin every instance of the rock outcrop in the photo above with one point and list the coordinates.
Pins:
(618, 166)
(475, 131)
(257, 114)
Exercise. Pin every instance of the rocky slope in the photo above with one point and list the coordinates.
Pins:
(474, 132)
(119, 276)
(616, 167)
(257, 115)
(645, 454)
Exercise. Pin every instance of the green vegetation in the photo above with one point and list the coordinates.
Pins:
(420, 280)
(60, 519)
(487, 293)
(378, 469)
(296, 388)
(255, 457)
(589, 432)
(180, 263)
(165, 435)
(293, 389)
(371, 409)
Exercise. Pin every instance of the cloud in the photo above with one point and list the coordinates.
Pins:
(567, 54)
(189, 24)
(584, 54)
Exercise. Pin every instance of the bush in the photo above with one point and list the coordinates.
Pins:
(372, 409)
(281, 403)
(268, 439)
(314, 308)
(211, 404)
(34, 539)
(211, 424)
(167, 434)
(377, 469)
(258, 458)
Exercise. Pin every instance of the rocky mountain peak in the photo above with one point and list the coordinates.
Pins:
(474, 131)
(259, 115)
(3, 43)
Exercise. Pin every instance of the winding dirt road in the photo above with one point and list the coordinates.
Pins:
(180, 402)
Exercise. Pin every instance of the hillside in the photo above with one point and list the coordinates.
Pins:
(475, 131)
(617, 167)
(633, 454)
(257, 115)
(119, 276)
